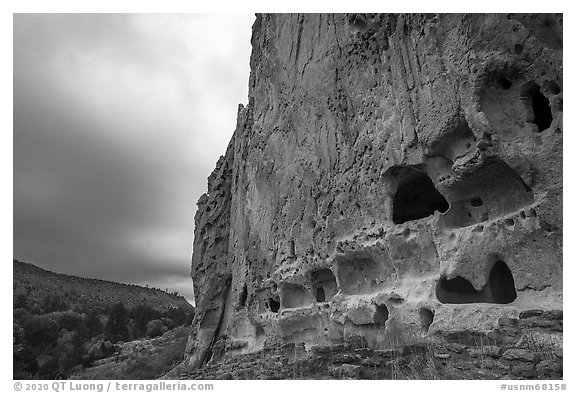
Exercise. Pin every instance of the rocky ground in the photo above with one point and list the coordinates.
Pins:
(529, 347)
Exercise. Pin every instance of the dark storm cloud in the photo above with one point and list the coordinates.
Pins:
(118, 120)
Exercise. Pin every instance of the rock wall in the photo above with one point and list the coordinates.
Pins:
(393, 178)
(525, 348)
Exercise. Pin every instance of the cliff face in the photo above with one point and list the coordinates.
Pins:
(392, 176)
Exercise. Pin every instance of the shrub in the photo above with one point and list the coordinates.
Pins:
(155, 328)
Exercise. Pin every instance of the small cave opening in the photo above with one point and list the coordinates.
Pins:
(501, 282)
(324, 285)
(259, 331)
(273, 305)
(542, 110)
(499, 288)
(416, 198)
(294, 296)
(243, 296)
(476, 202)
(320, 295)
(426, 318)
(381, 315)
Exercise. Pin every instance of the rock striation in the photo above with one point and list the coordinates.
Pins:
(394, 178)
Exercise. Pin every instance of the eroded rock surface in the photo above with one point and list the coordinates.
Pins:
(393, 178)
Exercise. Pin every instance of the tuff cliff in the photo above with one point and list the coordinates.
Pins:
(392, 178)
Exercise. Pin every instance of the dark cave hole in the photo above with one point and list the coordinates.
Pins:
(381, 315)
(498, 289)
(417, 198)
(426, 318)
(457, 285)
(518, 48)
(503, 83)
(244, 296)
(542, 111)
(476, 202)
(501, 283)
(274, 305)
(320, 295)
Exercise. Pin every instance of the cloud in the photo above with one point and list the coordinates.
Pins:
(118, 121)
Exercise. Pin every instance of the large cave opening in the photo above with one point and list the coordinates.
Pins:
(416, 197)
(499, 288)
(324, 284)
(491, 191)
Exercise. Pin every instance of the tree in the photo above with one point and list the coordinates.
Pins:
(53, 303)
(141, 315)
(21, 301)
(117, 326)
(41, 331)
(93, 324)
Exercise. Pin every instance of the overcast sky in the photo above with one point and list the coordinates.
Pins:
(118, 121)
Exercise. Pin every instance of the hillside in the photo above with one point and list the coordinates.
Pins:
(35, 285)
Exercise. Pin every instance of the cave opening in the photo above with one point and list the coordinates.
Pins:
(243, 296)
(491, 191)
(320, 295)
(426, 318)
(542, 111)
(501, 282)
(476, 202)
(417, 198)
(503, 83)
(259, 331)
(324, 285)
(381, 315)
(294, 296)
(274, 305)
(499, 288)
